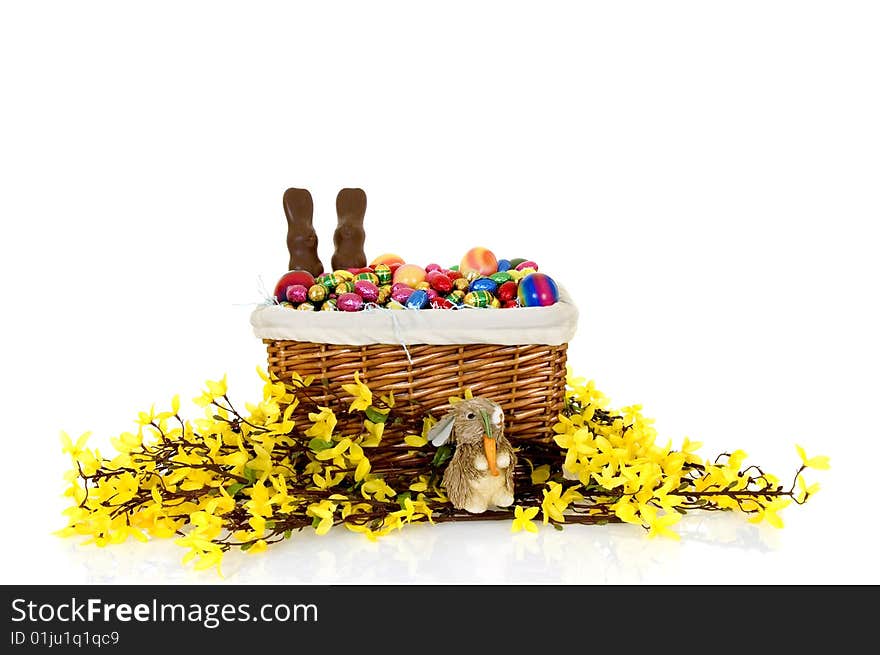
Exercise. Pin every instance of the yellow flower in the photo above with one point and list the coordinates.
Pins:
(258, 547)
(74, 449)
(541, 474)
(415, 440)
(523, 519)
(556, 502)
(322, 511)
(363, 397)
(658, 524)
(818, 462)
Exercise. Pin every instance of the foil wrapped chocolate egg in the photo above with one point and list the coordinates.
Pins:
(342, 275)
(318, 293)
(456, 297)
(297, 293)
(509, 304)
(328, 306)
(368, 276)
(507, 291)
(526, 264)
(478, 299)
(501, 277)
(400, 293)
(461, 284)
(503, 265)
(432, 267)
(484, 284)
(516, 262)
(306, 307)
(423, 285)
(440, 282)
(431, 294)
(384, 294)
(383, 273)
(349, 302)
(418, 299)
(346, 286)
(366, 290)
(441, 303)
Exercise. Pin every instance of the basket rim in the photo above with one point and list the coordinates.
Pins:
(553, 325)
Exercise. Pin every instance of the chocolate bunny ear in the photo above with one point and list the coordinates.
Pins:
(302, 242)
(348, 239)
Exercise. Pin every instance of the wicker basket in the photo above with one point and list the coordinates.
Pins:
(527, 380)
(516, 357)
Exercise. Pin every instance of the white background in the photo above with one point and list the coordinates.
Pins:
(702, 176)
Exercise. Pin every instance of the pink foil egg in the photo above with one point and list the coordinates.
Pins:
(401, 293)
(349, 302)
(297, 293)
(368, 291)
(526, 264)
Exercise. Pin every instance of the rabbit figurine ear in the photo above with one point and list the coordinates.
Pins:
(441, 432)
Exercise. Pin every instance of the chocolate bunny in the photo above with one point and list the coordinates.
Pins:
(348, 239)
(302, 242)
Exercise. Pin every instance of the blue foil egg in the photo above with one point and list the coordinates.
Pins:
(417, 300)
(484, 284)
(503, 265)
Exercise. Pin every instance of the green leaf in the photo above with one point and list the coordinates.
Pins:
(443, 454)
(402, 498)
(315, 521)
(250, 474)
(317, 444)
(557, 526)
(287, 534)
(246, 546)
(235, 488)
(270, 525)
(375, 415)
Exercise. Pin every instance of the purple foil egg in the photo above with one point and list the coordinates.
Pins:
(368, 291)
(431, 294)
(349, 302)
(297, 293)
(432, 267)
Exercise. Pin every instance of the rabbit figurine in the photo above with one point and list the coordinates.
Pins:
(480, 473)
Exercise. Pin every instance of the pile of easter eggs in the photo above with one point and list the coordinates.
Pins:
(479, 280)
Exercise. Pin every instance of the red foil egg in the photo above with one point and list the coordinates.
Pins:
(439, 282)
(507, 291)
(508, 304)
(441, 303)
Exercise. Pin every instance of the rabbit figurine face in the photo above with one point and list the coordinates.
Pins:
(480, 473)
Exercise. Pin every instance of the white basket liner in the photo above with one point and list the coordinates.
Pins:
(553, 325)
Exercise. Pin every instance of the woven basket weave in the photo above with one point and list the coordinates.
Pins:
(527, 380)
